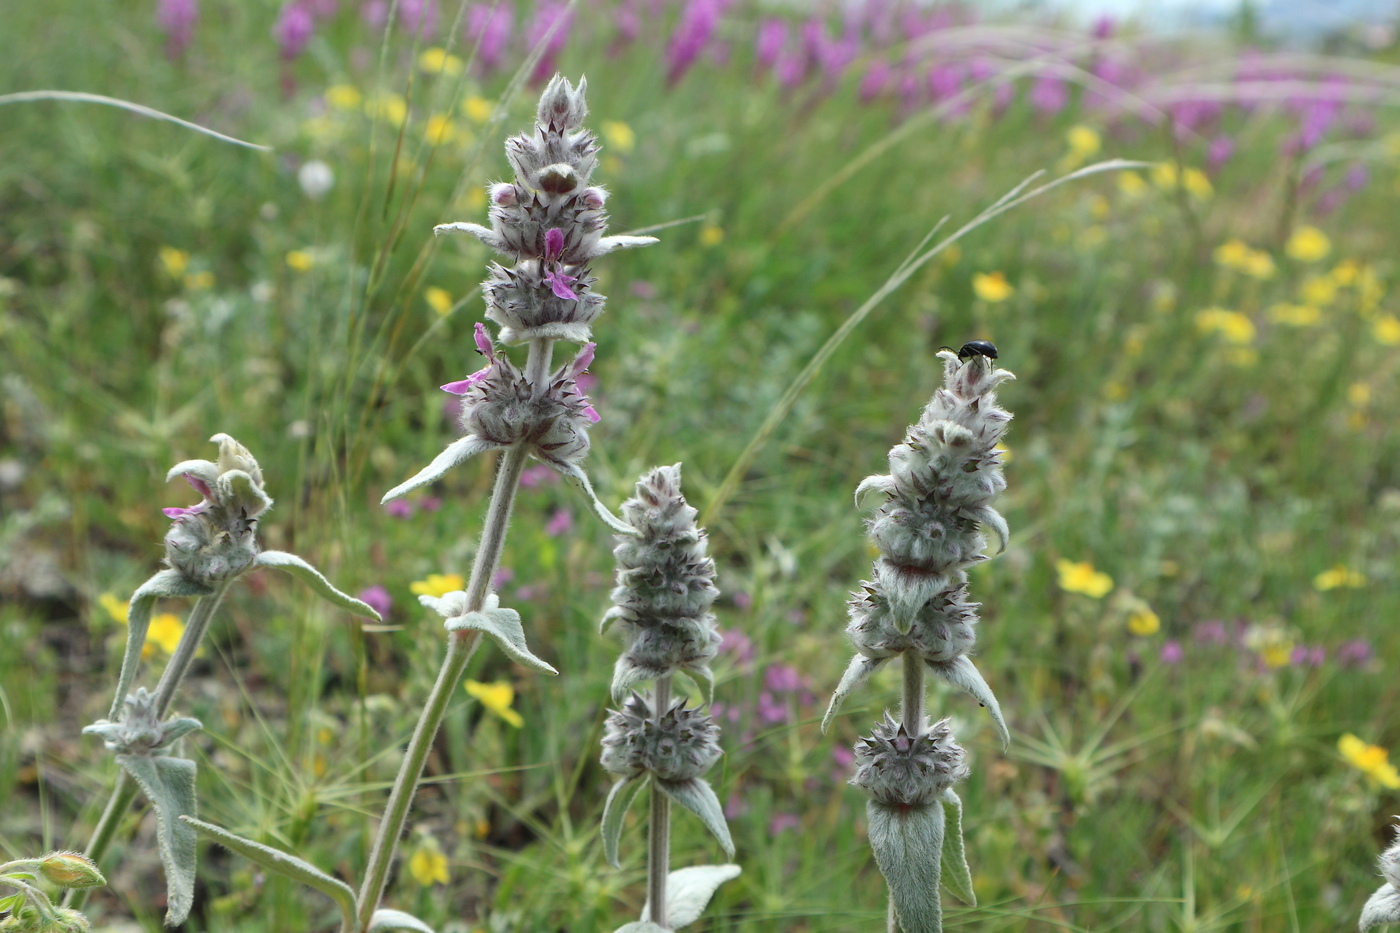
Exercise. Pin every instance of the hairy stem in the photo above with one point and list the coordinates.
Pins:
(911, 715)
(460, 648)
(659, 829)
(125, 790)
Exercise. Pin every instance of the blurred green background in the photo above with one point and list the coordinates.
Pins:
(1196, 606)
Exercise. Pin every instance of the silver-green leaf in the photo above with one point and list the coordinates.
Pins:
(612, 521)
(455, 452)
(699, 798)
(501, 624)
(908, 842)
(281, 560)
(956, 875)
(857, 672)
(386, 919)
(1381, 908)
(285, 864)
(138, 621)
(169, 784)
(962, 673)
(620, 799)
(688, 891)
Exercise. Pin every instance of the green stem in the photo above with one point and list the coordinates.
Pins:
(911, 716)
(460, 648)
(659, 829)
(125, 791)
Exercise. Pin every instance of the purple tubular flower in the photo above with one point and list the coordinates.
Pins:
(547, 14)
(772, 39)
(293, 30)
(1049, 94)
(177, 19)
(693, 33)
(483, 345)
(419, 17)
(377, 598)
(489, 26)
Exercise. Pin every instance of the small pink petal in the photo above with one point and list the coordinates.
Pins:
(553, 244)
(483, 342)
(461, 386)
(199, 485)
(591, 415)
(559, 283)
(582, 361)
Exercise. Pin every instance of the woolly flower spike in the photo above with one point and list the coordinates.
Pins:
(682, 745)
(551, 222)
(938, 495)
(665, 587)
(500, 408)
(901, 770)
(215, 539)
(1384, 906)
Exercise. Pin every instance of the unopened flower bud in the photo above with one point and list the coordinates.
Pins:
(504, 195)
(903, 770)
(139, 730)
(562, 106)
(682, 745)
(71, 870)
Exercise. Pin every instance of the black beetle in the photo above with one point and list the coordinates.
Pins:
(976, 348)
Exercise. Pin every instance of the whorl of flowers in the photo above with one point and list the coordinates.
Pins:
(215, 540)
(139, 730)
(665, 586)
(938, 496)
(551, 222)
(901, 770)
(682, 744)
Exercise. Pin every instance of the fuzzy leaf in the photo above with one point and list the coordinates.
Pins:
(284, 864)
(956, 875)
(455, 452)
(573, 471)
(641, 926)
(169, 784)
(202, 470)
(312, 577)
(961, 672)
(138, 621)
(235, 486)
(627, 674)
(485, 234)
(688, 890)
(704, 678)
(610, 243)
(620, 799)
(699, 798)
(992, 519)
(857, 673)
(907, 844)
(877, 483)
(1382, 907)
(386, 919)
(504, 628)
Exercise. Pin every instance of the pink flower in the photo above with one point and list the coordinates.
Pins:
(560, 523)
(293, 29)
(538, 475)
(1171, 652)
(558, 282)
(547, 14)
(772, 39)
(732, 641)
(485, 348)
(177, 19)
(1049, 94)
(782, 822)
(378, 599)
(490, 25)
(502, 577)
(419, 17)
(780, 678)
(399, 508)
(1354, 653)
(693, 32)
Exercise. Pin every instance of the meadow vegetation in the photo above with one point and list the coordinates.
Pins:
(1189, 632)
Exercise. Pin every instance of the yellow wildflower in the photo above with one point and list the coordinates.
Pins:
(299, 260)
(440, 62)
(1081, 577)
(1164, 175)
(1320, 290)
(1142, 621)
(1387, 330)
(389, 107)
(619, 136)
(1232, 253)
(497, 698)
(439, 299)
(440, 130)
(1369, 290)
(1258, 264)
(711, 235)
(478, 109)
(1131, 184)
(992, 286)
(197, 281)
(1359, 394)
(1371, 760)
(1083, 140)
(1345, 272)
(1295, 315)
(437, 584)
(1197, 184)
(343, 97)
(116, 608)
(164, 633)
(1272, 642)
(1234, 326)
(1339, 576)
(1099, 208)
(427, 864)
(1308, 244)
(174, 261)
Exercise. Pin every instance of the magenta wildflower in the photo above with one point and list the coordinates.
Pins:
(377, 598)
(876, 80)
(418, 17)
(693, 32)
(1219, 152)
(736, 643)
(489, 27)
(550, 27)
(560, 523)
(400, 508)
(484, 347)
(1308, 656)
(735, 806)
(772, 39)
(293, 29)
(780, 678)
(538, 475)
(375, 14)
(1355, 653)
(771, 710)
(1104, 27)
(558, 282)
(782, 822)
(742, 600)
(1049, 94)
(177, 19)
(502, 576)
(430, 503)
(1172, 652)
(1210, 632)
